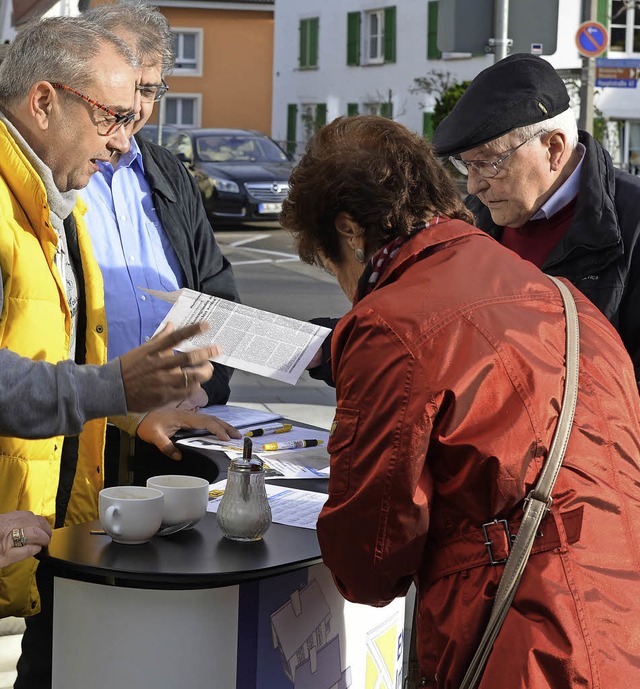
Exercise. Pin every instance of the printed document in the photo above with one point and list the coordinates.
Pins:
(289, 506)
(251, 340)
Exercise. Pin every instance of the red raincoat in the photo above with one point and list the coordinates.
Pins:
(449, 378)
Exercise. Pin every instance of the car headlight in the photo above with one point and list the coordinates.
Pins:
(225, 185)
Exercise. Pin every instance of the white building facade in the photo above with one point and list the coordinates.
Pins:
(337, 57)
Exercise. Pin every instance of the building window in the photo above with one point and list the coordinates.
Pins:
(634, 147)
(372, 35)
(624, 31)
(188, 47)
(383, 108)
(352, 109)
(308, 57)
(183, 109)
(312, 117)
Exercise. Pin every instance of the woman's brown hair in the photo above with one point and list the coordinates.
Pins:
(376, 170)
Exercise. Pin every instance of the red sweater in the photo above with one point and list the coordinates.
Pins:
(535, 240)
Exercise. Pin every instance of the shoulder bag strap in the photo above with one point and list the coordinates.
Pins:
(538, 502)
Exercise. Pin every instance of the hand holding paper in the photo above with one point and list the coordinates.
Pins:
(250, 339)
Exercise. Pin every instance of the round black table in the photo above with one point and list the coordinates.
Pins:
(197, 611)
(194, 559)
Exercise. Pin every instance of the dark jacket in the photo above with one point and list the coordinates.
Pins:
(177, 201)
(598, 252)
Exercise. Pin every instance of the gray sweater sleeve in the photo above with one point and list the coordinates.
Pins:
(41, 400)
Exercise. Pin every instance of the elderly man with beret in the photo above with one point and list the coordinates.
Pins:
(546, 190)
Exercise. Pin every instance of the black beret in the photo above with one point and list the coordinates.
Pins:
(519, 90)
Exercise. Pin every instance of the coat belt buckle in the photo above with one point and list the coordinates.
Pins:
(489, 543)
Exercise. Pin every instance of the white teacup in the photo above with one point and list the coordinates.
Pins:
(185, 497)
(131, 514)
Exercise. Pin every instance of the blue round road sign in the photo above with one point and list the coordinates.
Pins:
(591, 39)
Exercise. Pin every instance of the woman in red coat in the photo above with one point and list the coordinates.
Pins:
(449, 373)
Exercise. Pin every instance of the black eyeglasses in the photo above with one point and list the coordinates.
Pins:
(486, 168)
(107, 125)
(152, 93)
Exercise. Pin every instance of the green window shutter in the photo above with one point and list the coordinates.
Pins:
(389, 34)
(603, 12)
(427, 125)
(292, 127)
(432, 32)
(386, 109)
(353, 38)
(352, 109)
(303, 56)
(321, 115)
(602, 15)
(314, 25)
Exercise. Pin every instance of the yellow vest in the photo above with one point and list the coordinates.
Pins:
(36, 323)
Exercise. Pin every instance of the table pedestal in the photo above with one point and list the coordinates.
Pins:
(291, 630)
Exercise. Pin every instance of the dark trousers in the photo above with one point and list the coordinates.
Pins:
(35, 662)
(148, 461)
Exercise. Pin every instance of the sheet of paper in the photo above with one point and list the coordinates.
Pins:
(308, 464)
(251, 340)
(240, 417)
(295, 434)
(289, 506)
(301, 463)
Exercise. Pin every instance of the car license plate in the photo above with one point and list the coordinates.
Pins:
(269, 207)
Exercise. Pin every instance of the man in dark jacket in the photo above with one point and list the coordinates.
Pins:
(545, 190)
(149, 229)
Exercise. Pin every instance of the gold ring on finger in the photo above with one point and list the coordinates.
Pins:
(19, 538)
(186, 378)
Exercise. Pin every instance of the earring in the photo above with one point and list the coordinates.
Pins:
(359, 255)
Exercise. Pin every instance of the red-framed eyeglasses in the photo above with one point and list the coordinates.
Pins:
(106, 126)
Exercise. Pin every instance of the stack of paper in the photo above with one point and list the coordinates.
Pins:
(307, 462)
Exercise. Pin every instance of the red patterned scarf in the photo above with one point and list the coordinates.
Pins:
(381, 259)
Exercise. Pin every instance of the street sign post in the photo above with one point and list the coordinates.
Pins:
(611, 73)
(591, 39)
(465, 26)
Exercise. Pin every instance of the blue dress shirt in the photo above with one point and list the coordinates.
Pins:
(132, 250)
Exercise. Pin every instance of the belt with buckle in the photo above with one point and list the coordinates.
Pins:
(491, 543)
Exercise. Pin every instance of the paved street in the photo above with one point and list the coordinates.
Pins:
(270, 276)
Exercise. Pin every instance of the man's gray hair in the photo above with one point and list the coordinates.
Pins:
(565, 121)
(154, 40)
(55, 49)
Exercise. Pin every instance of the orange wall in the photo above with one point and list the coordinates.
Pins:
(237, 71)
(236, 85)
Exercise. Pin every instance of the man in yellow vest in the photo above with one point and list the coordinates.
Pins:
(67, 92)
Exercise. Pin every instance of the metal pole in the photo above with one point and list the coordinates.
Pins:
(160, 121)
(588, 73)
(500, 28)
